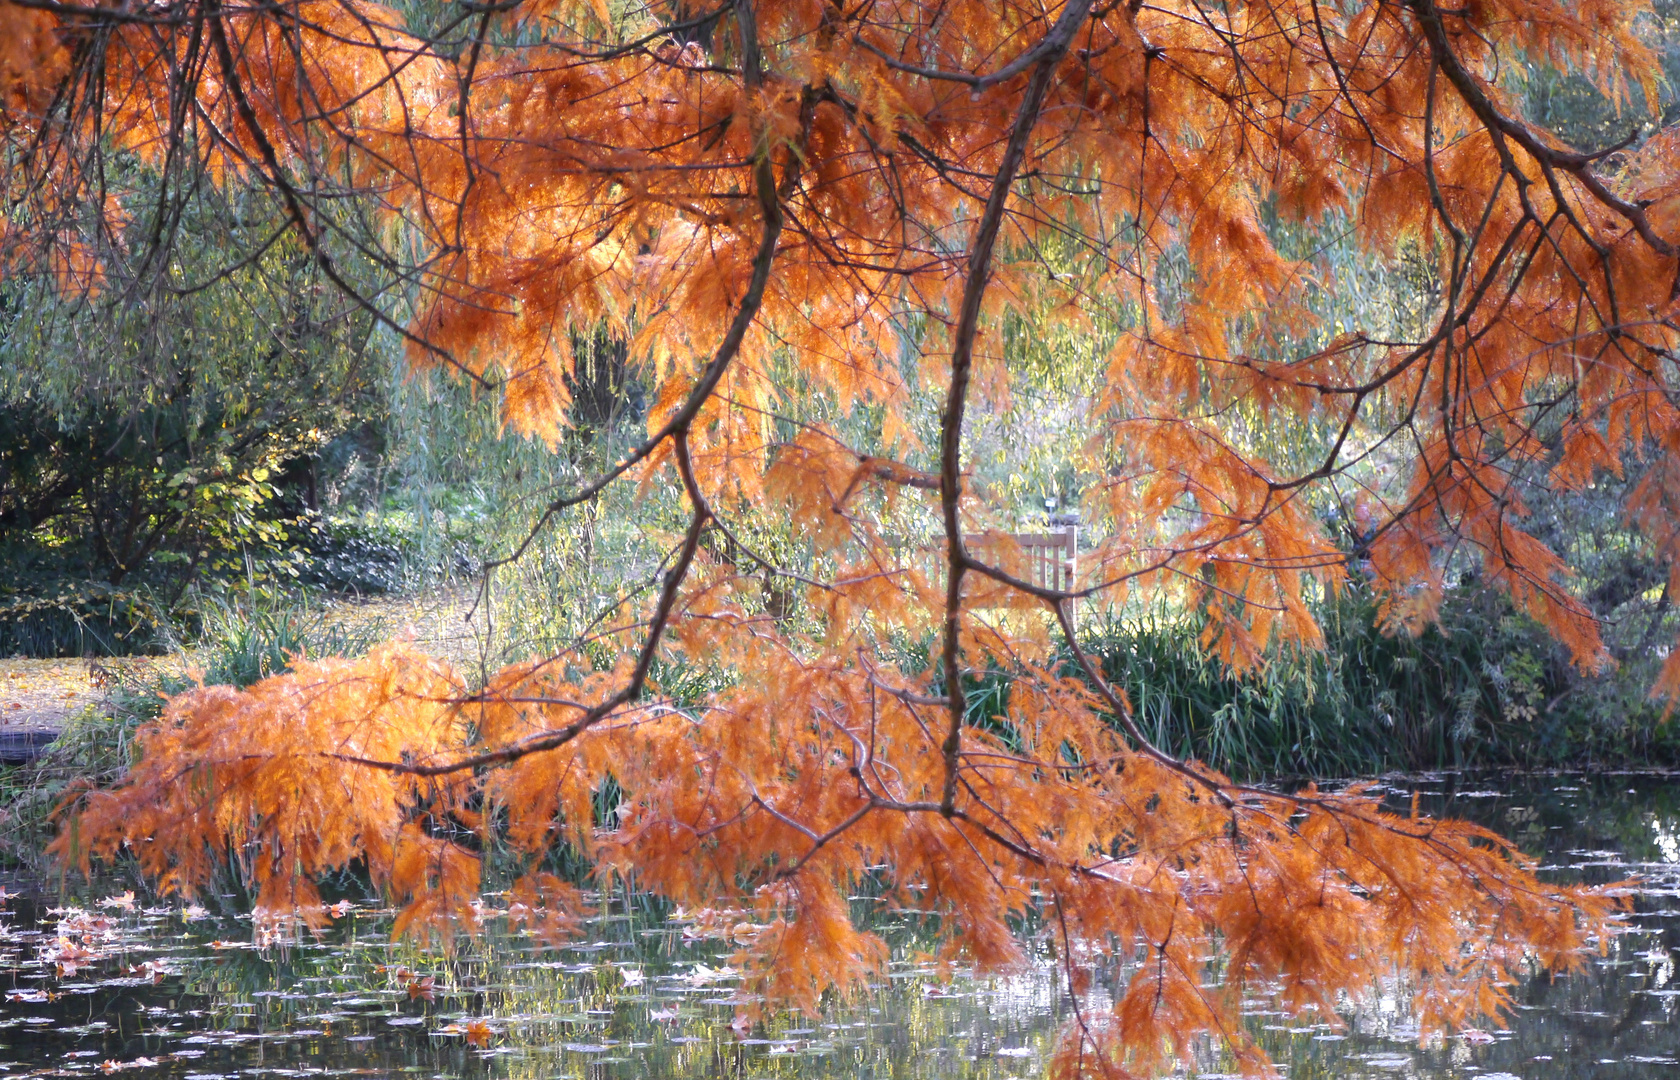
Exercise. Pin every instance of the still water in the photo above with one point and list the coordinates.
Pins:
(102, 982)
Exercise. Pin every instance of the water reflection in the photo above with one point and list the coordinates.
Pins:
(103, 987)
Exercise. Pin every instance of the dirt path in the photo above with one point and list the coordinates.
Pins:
(439, 622)
(40, 695)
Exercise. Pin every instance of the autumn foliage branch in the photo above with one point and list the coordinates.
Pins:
(773, 201)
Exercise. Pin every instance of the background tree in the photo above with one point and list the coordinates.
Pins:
(812, 224)
(148, 423)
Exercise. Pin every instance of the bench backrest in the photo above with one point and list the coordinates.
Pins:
(1052, 558)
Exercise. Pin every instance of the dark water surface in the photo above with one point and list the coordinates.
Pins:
(109, 985)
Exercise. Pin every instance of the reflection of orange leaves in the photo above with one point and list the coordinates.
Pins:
(285, 903)
(547, 907)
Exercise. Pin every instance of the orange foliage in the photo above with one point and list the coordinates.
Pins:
(776, 805)
(795, 197)
(32, 59)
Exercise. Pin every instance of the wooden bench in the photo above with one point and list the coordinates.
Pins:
(1050, 560)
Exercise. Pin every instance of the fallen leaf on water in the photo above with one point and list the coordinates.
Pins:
(701, 975)
(477, 1032)
(111, 1066)
(68, 956)
(154, 970)
(84, 925)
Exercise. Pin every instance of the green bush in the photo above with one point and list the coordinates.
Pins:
(46, 611)
(354, 558)
(80, 618)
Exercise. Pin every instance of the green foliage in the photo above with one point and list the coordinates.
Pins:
(465, 492)
(245, 644)
(355, 557)
(1568, 104)
(145, 427)
(1485, 686)
(66, 616)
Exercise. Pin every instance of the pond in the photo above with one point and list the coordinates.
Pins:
(108, 984)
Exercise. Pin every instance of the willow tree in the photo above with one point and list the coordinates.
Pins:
(860, 194)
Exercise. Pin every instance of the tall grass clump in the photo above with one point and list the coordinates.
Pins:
(1484, 686)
